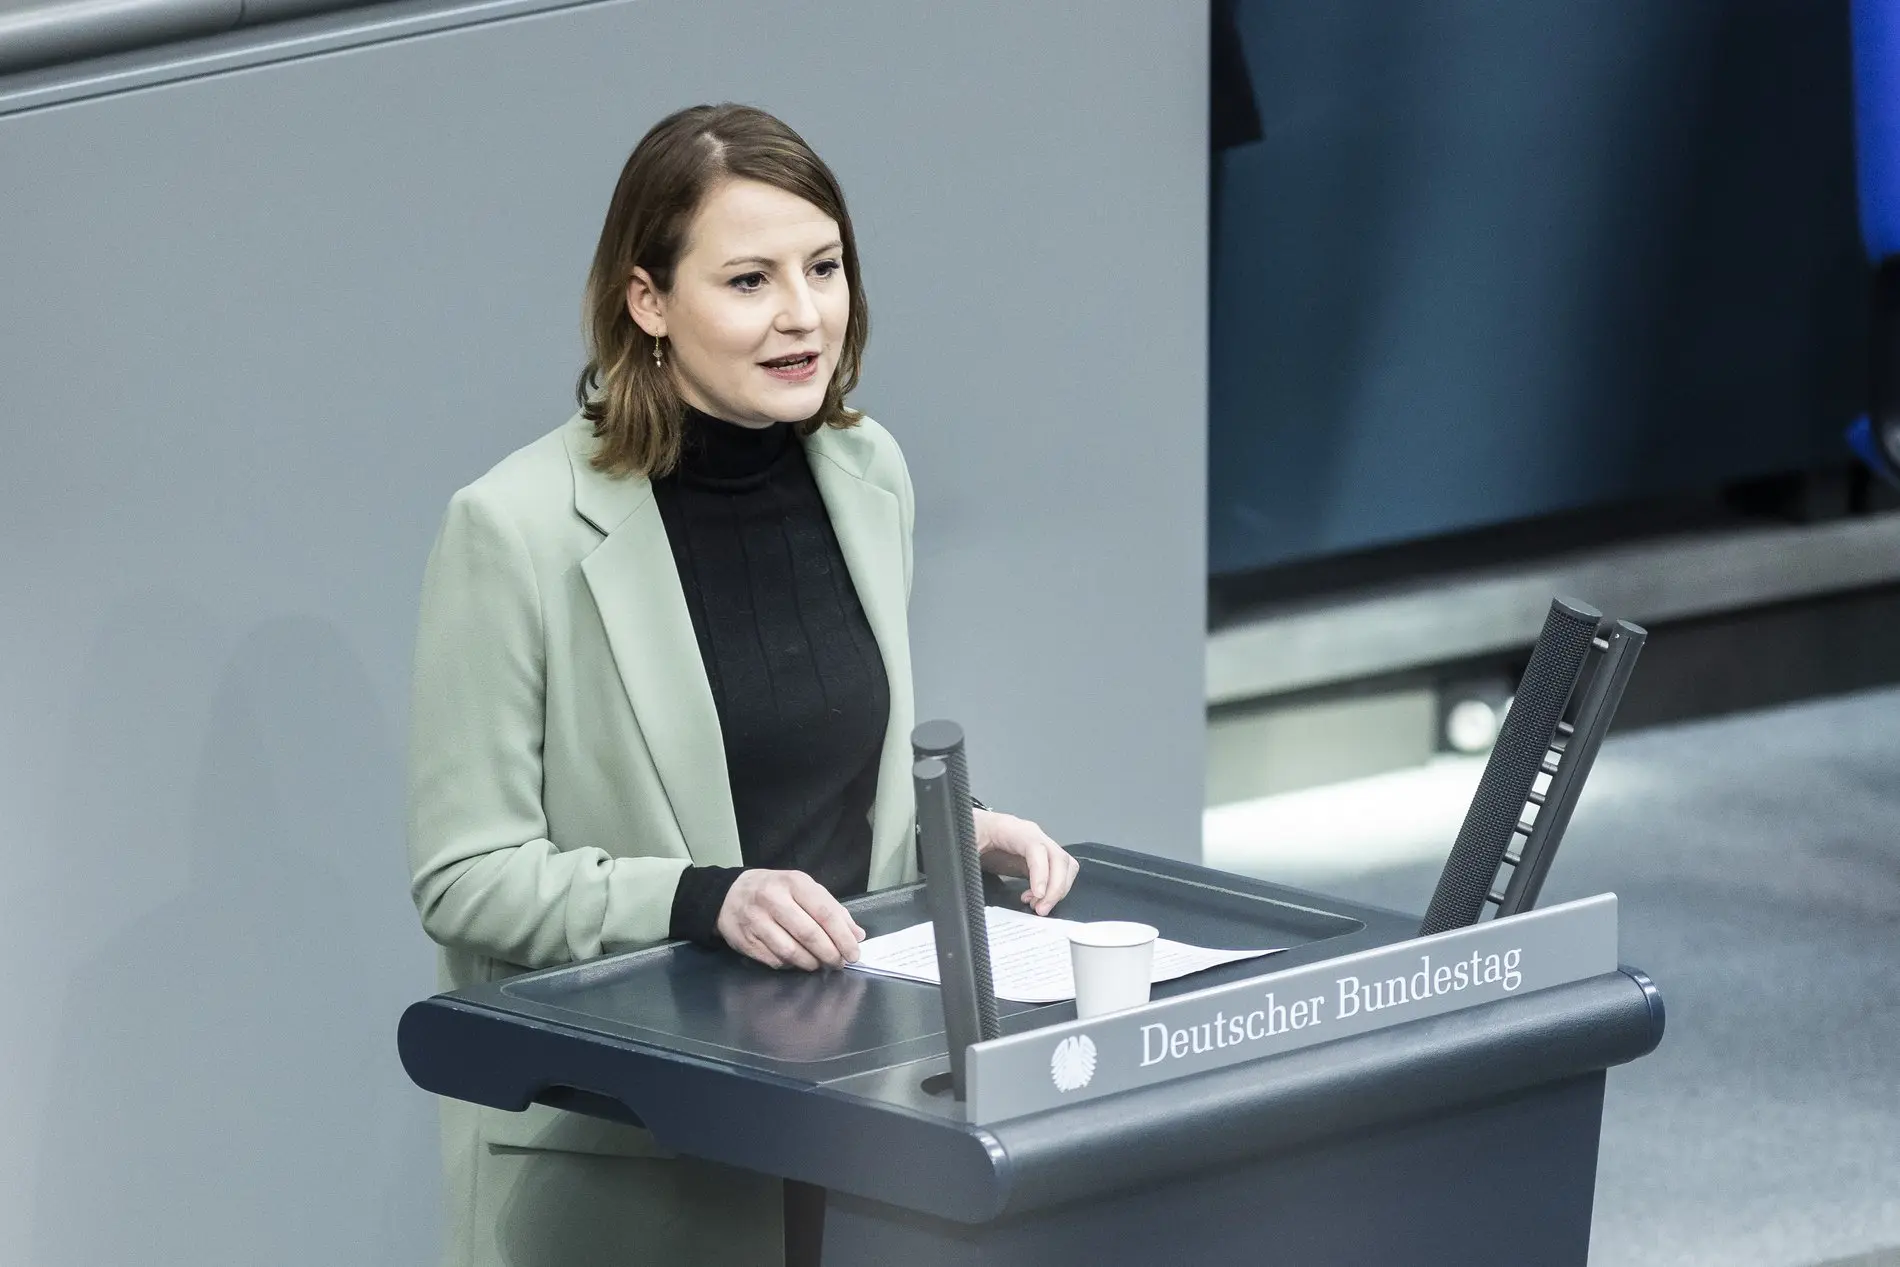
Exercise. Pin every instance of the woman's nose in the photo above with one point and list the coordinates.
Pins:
(800, 311)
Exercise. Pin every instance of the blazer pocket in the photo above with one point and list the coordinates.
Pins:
(541, 1129)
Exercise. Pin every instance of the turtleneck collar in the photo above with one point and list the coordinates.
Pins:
(725, 454)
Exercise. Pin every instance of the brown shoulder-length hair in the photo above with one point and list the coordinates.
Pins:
(631, 400)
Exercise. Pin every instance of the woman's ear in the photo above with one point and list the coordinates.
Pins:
(643, 304)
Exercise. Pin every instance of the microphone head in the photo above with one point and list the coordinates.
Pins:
(936, 738)
(1577, 610)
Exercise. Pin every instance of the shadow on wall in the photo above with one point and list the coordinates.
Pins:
(224, 1084)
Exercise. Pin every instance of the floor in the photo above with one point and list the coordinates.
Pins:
(1757, 859)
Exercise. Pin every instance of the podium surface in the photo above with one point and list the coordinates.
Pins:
(1467, 1137)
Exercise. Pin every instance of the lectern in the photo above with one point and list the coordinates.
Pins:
(1439, 1103)
(1383, 1091)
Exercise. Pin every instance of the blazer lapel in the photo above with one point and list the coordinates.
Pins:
(870, 535)
(636, 587)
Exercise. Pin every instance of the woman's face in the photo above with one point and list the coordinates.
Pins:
(756, 317)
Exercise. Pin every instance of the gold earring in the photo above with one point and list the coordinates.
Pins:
(657, 358)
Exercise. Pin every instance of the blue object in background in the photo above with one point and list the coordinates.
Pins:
(1876, 34)
(1876, 43)
(1488, 262)
(1861, 439)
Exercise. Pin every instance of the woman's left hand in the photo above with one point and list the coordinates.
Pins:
(1008, 845)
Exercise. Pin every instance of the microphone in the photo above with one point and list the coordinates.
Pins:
(946, 839)
(1543, 734)
(1523, 745)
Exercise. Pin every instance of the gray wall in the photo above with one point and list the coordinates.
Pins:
(255, 328)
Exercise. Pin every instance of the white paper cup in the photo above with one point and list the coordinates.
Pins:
(1113, 960)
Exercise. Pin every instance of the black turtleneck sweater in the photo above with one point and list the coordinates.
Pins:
(795, 673)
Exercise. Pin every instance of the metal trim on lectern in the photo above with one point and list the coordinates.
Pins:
(1283, 1011)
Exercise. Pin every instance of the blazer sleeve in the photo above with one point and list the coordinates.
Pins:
(484, 875)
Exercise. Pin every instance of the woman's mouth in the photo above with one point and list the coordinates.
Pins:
(792, 369)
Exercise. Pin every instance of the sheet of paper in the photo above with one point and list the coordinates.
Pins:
(1029, 956)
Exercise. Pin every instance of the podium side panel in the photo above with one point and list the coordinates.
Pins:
(1507, 1183)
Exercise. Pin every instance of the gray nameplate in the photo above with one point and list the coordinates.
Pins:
(1284, 1011)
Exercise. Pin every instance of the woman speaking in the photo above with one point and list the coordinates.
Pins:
(662, 681)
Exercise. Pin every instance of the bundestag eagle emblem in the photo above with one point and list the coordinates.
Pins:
(1073, 1064)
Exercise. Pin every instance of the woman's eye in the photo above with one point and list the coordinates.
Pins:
(748, 283)
(827, 268)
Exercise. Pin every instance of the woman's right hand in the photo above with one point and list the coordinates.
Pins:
(786, 919)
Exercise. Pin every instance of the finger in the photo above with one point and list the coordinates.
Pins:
(828, 913)
(796, 920)
(1062, 869)
(797, 923)
(1037, 858)
(753, 948)
(782, 943)
(839, 928)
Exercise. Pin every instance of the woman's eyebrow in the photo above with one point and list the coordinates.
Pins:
(737, 260)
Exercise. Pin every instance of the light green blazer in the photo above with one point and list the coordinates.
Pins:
(566, 765)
